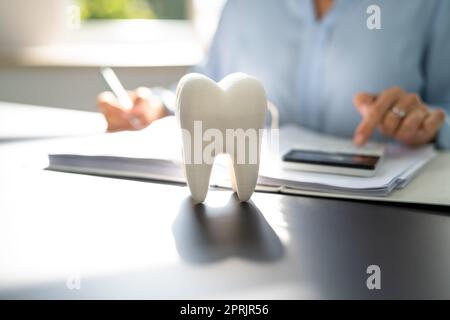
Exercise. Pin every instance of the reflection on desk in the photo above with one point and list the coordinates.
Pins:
(206, 234)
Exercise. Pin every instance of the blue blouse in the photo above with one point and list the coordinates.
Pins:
(312, 69)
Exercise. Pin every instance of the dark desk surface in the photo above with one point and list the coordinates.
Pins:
(129, 239)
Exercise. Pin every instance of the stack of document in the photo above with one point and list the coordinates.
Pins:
(399, 166)
(145, 155)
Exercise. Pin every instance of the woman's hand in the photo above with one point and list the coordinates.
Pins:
(146, 109)
(397, 114)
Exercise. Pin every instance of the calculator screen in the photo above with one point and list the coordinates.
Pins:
(367, 162)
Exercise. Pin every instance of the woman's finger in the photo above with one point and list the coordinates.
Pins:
(409, 127)
(117, 117)
(393, 118)
(376, 113)
(107, 102)
(433, 122)
(362, 101)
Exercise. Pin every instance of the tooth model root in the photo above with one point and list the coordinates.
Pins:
(197, 177)
(243, 180)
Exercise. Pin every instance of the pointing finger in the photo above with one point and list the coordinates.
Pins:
(382, 104)
(362, 100)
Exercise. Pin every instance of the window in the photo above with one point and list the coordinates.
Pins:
(113, 32)
(133, 9)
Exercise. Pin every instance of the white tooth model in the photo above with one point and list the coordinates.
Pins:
(225, 117)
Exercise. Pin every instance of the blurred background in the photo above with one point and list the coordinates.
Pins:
(51, 50)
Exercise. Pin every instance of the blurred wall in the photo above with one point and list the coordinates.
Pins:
(75, 87)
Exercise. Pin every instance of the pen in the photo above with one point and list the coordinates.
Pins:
(119, 91)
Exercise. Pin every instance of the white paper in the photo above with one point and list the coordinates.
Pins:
(162, 141)
(399, 165)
